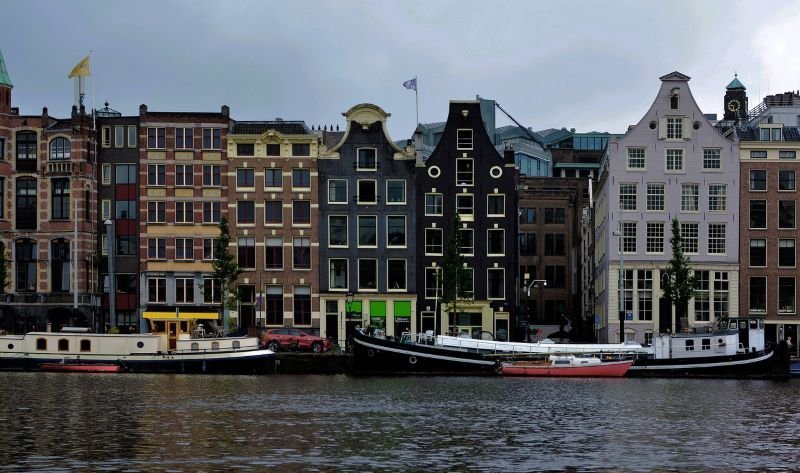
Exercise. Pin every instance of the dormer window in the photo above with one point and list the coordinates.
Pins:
(771, 134)
(673, 102)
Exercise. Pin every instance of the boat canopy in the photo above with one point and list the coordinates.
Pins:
(179, 315)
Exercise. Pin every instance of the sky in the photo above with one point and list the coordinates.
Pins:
(588, 65)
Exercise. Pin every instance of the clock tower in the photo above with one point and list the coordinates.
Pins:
(735, 101)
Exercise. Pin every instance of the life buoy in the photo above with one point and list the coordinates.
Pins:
(370, 353)
(412, 360)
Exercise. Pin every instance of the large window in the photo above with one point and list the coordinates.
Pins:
(367, 191)
(636, 158)
(674, 128)
(157, 290)
(245, 178)
(702, 298)
(674, 160)
(690, 236)
(60, 149)
(302, 303)
(758, 294)
(211, 291)
(60, 198)
(26, 256)
(156, 248)
(496, 242)
(496, 286)
(464, 138)
(690, 198)
(59, 265)
(274, 305)
(245, 149)
(786, 217)
(395, 191)
(156, 174)
(786, 180)
(433, 204)
(184, 175)
(184, 248)
(627, 196)
(655, 237)
(273, 177)
(156, 138)
(644, 286)
(758, 252)
(786, 253)
(368, 274)
(246, 252)
(655, 196)
(301, 149)
(212, 138)
(396, 275)
(433, 241)
(301, 253)
(758, 214)
(245, 212)
(367, 231)
(338, 273)
(495, 205)
(26, 204)
(337, 231)
(184, 138)
(758, 180)
(274, 253)
(395, 231)
(27, 151)
(184, 211)
(711, 159)
(717, 198)
(184, 290)
(367, 159)
(211, 212)
(301, 212)
(465, 206)
(721, 294)
(211, 175)
(301, 178)
(273, 212)
(125, 174)
(273, 149)
(786, 295)
(628, 237)
(157, 212)
(464, 172)
(716, 238)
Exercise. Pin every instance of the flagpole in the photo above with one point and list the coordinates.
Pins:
(416, 95)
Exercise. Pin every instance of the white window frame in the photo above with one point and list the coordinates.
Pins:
(156, 256)
(690, 197)
(471, 248)
(210, 256)
(346, 232)
(310, 217)
(163, 167)
(461, 175)
(787, 310)
(717, 198)
(503, 286)
(337, 202)
(246, 188)
(435, 273)
(464, 139)
(690, 232)
(375, 158)
(674, 157)
(331, 287)
(188, 217)
(787, 243)
(637, 161)
(182, 144)
(372, 261)
(655, 238)
(359, 200)
(105, 209)
(133, 137)
(211, 168)
(655, 198)
(188, 284)
(440, 202)
(405, 231)
(466, 217)
(161, 283)
(717, 237)
(377, 233)
(627, 196)
(628, 239)
(184, 243)
(502, 232)
(184, 167)
(405, 275)
(758, 243)
(674, 128)
(440, 231)
(106, 174)
(405, 198)
(712, 159)
(156, 204)
(503, 206)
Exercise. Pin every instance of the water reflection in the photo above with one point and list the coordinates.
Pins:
(286, 423)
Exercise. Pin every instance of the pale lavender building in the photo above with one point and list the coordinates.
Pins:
(672, 164)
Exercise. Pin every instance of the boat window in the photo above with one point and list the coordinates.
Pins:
(689, 345)
(41, 344)
(158, 326)
(754, 324)
(195, 346)
(86, 345)
(760, 323)
(706, 344)
(215, 345)
(63, 344)
(743, 324)
(236, 344)
(561, 362)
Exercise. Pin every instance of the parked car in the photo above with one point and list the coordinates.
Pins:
(294, 339)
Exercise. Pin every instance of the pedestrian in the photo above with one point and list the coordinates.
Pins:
(789, 344)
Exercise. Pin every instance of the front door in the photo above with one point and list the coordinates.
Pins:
(172, 335)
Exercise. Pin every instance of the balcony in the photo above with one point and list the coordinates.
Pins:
(58, 168)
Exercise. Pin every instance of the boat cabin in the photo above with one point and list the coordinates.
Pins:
(731, 336)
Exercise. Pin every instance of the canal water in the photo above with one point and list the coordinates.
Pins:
(89, 422)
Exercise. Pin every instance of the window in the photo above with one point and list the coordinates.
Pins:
(527, 215)
(156, 248)
(674, 128)
(245, 149)
(105, 209)
(758, 214)
(527, 244)
(786, 214)
(60, 149)
(59, 265)
(464, 172)
(301, 149)
(689, 345)
(496, 242)
(127, 245)
(716, 238)
(27, 151)
(133, 140)
(273, 212)
(464, 138)
(184, 138)
(211, 175)
(758, 294)
(467, 237)
(655, 237)
(106, 139)
(245, 178)
(554, 215)
(395, 231)
(628, 237)
(758, 154)
(208, 248)
(717, 198)
(274, 253)
(675, 160)
(367, 192)
(758, 252)
(690, 237)
(396, 275)
(246, 252)
(212, 138)
(367, 231)
(627, 196)
(702, 298)
(690, 197)
(711, 159)
(273, 149)
(2, 148)
(157, 290)
(337, 191)
(211, 212)
(106, 174)
(184, 290)
(26, 255)
(786, 295)
(184, 248)
(301, 212)
(495, 205)
(433, 241)
(644, 284)
(273, 178)
(338, 273)
(126, 173)
(156, 212)
(156, 138)
(636, 158)
(184, 175)
(26, 204)
(465, 206)
(367, 274)
(301, 178)
(674, 99)
(60, 199)
(496, 287)
(655, 197)
(433, 283)
(302, 304)
(366, 159)
(468, 287)
(786, 253)
(301, 253)
(211, 291)
(156, 174)
(125, 210)
(184, 212)
(787, 154)
(337, 230)
(758, 180)
(786, 181)
(245, 212)
(274, 305)
(554, 244)
(433, 204)
(395, 191)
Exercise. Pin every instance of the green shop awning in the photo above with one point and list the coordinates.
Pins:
(377, 308)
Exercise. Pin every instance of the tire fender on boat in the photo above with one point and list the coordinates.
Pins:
(412, 360)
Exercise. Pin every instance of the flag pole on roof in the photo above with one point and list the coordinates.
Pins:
(79, 72)
(411, 84)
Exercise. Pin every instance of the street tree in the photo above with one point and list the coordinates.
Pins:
(679, 282)
(225, 270)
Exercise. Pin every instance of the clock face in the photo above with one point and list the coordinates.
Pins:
(733, 105)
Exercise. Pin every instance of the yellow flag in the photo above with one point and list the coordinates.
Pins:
(82, 69)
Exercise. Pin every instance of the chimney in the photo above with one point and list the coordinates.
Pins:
(508, 153)
(142, 109)
(226, 111)
(418, 147)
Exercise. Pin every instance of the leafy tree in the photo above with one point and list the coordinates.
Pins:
(456, 280)
(679, 282)
(225, 269)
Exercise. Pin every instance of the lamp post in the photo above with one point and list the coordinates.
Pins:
(621, 313)
(348, 307)
(540, 283)
(112, 290)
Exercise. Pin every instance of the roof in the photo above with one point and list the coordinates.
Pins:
(283, 127)
(576, 165)
(332, 138)
(750, 133)
(735, 84)
(675, 75)
(4, 78)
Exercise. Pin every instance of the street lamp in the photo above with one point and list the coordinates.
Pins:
(348, 307)
(112, 290)
(540, 283)
(621, 313)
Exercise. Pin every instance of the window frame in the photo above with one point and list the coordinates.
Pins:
(333, 190)
(389, 200)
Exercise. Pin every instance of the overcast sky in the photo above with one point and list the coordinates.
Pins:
(593, 66)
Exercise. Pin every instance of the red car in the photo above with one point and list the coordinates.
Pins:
(294, 339)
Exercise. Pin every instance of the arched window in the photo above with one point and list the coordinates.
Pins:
(215, 345)
(26, 204)
(63, 344)
(59, 265)
(25, 256)
(26, 151)
(60, 149)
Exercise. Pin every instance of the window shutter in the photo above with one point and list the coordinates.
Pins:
(687, 128)
(662, 128)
